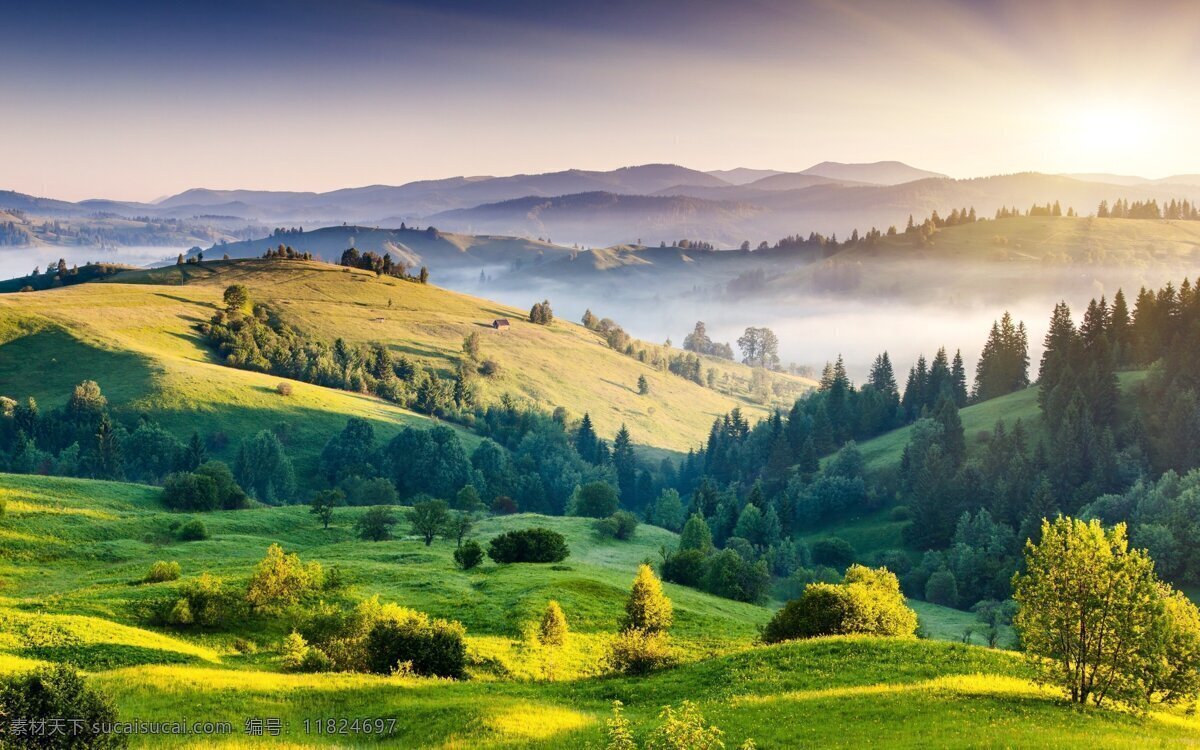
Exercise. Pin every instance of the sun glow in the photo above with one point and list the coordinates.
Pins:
(1095, 130)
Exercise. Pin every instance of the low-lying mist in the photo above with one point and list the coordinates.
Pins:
(20, 261)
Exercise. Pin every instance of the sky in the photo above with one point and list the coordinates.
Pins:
(136, 100)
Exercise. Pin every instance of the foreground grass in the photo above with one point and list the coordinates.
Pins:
(74, 552)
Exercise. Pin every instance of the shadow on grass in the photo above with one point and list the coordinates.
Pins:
(108, 656)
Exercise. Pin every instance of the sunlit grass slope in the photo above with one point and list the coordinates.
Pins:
(74, 551)
(138, 340)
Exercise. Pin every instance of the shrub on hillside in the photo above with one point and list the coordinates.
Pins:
(295, 655)
(376, 524)
(193, 531)
(281, 580)
(833, 551)
(535, 545)
(685, 567)
(59, 693)
(648, 608)
(504, 505)
(638, 652)
(187, 491)
(230, 496)
(205, 602)
(411, 640)
(552, 629)
(942, 588)
(620, 525)
(869, 602)
(469, 555)
(732, 576)
(594, 500)
(284, 389)
(162, 571)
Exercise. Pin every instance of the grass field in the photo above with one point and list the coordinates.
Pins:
(74, 551)
(137, 339)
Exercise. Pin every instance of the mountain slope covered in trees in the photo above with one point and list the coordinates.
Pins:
(138, 337)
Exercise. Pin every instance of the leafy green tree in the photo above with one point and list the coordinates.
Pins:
(458, 525)
(643, 386)
(264, 469)
(323, 503)
(229, 495)
(467, 500)
(151, 453)
(942, 588)
(237, 298)
(696, 535)
(667, 511)
(429, 518)
(648, 609)
(188, 491)
(435, 648)
(620, 525)
(352, 452)
(376, 524)
(595, 500)
(1091, 613)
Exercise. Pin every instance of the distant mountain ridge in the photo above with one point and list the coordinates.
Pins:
(650, 203)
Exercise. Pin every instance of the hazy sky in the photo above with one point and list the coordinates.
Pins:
(135, 100)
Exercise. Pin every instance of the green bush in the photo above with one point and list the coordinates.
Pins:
(942, 588)
(410, 640)
(833, 551)
(536, 545)
(732, 576)
(59, 693)
(188, 491)
(193, 531)
(205, 602)
(594, 500)
(869, 602)
(376, 524)
(469, 555)
(620, 525)
(162, 571)
(230, 496)
(685, 567)
(281, 580)
(637, 652)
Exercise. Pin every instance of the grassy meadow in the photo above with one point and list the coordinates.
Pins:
(75, 551)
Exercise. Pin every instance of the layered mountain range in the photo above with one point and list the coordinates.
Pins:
(648, 204)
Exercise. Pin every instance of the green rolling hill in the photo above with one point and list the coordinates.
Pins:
(135, 334)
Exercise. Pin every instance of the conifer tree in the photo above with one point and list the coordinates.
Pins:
(648, 609)
(552, 630)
